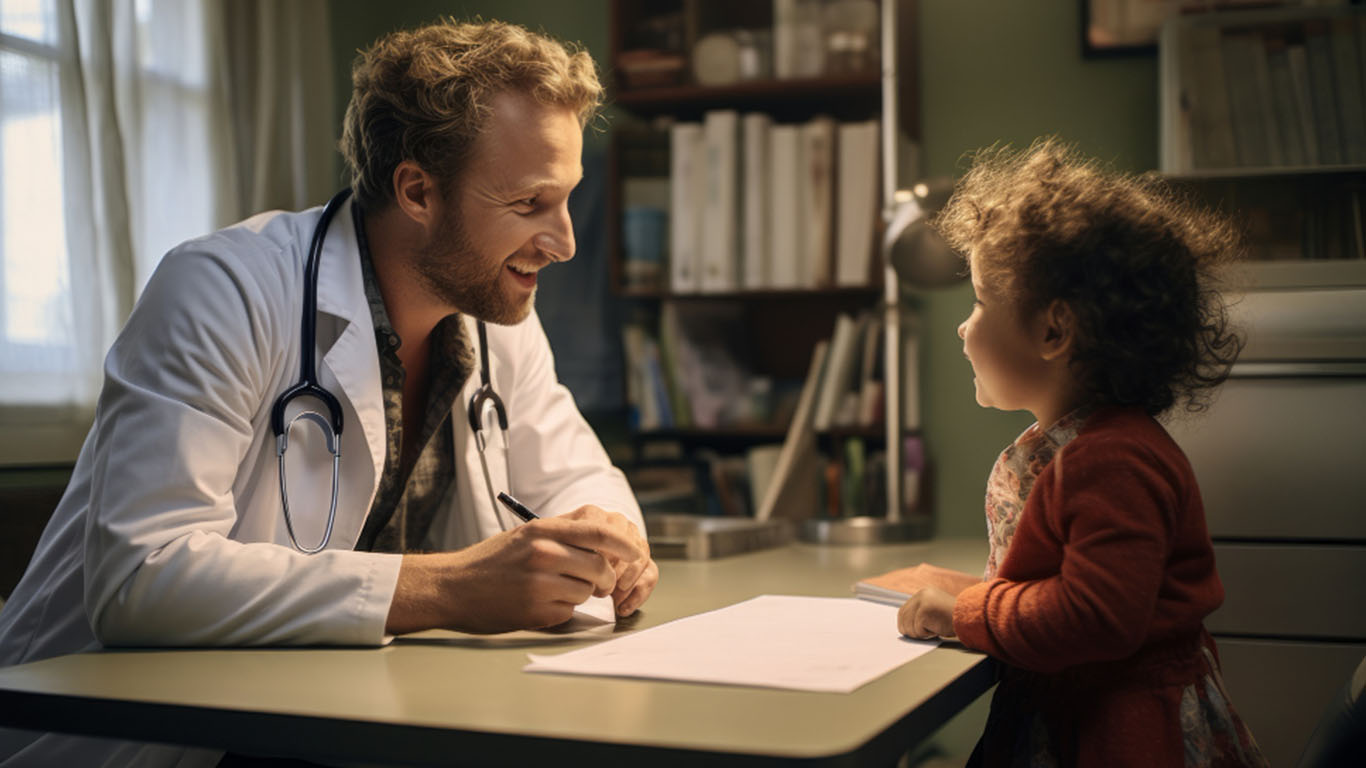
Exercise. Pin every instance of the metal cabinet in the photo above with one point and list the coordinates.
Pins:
(1281, 460)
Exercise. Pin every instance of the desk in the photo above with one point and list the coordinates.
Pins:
(439, 697)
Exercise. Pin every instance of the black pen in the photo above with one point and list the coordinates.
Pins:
(523, 511)
(518, 508)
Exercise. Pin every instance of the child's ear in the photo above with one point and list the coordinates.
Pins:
(1057, 329)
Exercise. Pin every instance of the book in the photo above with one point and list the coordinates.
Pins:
(1283, 96)
(1298, 62)
(870, 387)
(857, 203)
(721, 205)
(786, 264)
(854, 481)
(817, 196)
(633, 345)
(1266, 100)
(686, 176)
(794, 487)
(835, 381)
(1244, 98)
(868, 591)
(1323, 91)
(647, 394)
(1348, 76)
(761, 461)
(754, 253)
(711, 360)
(670, 340)
(1211, 120)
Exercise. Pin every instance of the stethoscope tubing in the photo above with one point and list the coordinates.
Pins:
(484, 397)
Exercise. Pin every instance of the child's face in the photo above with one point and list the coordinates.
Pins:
(1009, 373)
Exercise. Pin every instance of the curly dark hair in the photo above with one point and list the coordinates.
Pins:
(1137, 264)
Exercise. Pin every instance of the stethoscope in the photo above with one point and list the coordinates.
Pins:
(484, 400)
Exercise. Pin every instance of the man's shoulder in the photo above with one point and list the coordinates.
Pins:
(265, 248)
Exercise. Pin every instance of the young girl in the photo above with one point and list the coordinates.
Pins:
(1094, 311)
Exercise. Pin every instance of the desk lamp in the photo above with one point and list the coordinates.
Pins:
(914, 259)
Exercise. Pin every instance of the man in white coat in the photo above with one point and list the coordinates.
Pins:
(464, 142)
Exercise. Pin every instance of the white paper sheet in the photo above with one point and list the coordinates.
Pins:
(831, 644)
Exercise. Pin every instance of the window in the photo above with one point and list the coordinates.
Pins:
(36, 312)
(106, 161)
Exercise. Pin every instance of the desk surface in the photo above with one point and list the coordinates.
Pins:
(434, 697)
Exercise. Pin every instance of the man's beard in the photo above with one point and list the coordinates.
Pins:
(451, 269)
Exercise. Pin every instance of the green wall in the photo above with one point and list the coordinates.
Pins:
(991, 70)
(1006, 71)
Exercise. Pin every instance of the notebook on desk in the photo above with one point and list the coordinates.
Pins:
(869, 591)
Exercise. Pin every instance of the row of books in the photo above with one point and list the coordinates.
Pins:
(691, 369)
(1288, 93)
(694, 372)
(756, 205)
(850, 480)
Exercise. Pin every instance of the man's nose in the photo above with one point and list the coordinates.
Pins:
(963, 330)
(557, 241)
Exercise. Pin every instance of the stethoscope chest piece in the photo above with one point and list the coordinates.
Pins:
(308, 386)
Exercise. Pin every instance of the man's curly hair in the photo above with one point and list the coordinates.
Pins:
(424, 95)
(1136, 263)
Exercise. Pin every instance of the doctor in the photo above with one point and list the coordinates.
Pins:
(463, 142)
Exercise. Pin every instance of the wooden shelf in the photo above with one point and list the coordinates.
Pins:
(1253, 173)
(861, 293)
(730, 439)
(838, 96)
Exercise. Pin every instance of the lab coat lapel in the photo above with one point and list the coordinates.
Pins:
(351, 356)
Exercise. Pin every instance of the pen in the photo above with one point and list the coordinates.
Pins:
(523, 511)
(518, 508)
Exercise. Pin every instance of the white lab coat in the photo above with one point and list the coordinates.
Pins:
(171, 531)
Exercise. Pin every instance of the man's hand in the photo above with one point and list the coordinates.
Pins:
(635, 577)
(929, 613)
(526, 578)
(913, 579)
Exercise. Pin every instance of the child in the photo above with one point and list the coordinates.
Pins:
(1094, 311)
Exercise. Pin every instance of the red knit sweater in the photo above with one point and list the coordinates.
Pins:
(1097, 608)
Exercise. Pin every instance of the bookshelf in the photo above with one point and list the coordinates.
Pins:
(1263, 115)
(768, 325)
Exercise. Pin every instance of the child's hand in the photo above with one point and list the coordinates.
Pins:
(929, 613)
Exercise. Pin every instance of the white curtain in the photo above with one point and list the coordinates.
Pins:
(126, 127)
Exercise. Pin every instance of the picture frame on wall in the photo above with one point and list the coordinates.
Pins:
(1131, 27)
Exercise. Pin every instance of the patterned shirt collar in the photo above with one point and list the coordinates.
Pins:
(405, 505)
(1013, 477)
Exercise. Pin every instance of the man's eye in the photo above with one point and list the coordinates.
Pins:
(528, 202)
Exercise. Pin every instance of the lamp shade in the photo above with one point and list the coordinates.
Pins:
(918, 255)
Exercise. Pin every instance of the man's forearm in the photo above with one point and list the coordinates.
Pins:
(419, 600)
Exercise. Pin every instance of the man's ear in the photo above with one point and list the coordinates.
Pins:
(416, 194)
(1056, 331)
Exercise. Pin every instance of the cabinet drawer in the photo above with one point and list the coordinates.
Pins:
(1282, 688)
(1279, 455)
(1292, 591)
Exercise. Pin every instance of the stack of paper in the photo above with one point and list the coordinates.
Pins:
(829, 644)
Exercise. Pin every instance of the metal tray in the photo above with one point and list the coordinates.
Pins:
(693, 537)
